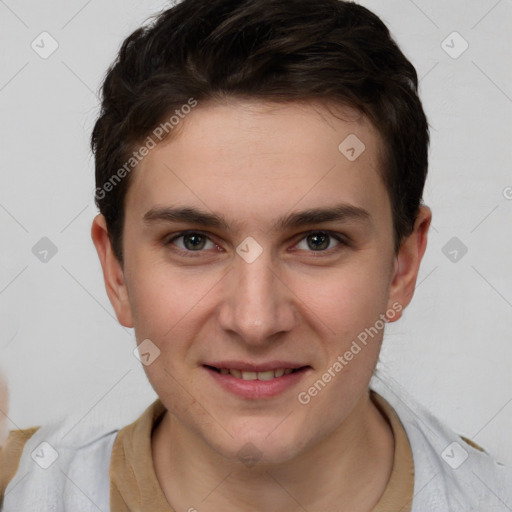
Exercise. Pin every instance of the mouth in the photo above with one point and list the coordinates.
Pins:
(252, 382)
(265, 375)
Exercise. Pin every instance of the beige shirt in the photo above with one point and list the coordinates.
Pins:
(134, 485)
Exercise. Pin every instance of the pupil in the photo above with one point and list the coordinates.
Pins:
(319, 237)
(199, 241)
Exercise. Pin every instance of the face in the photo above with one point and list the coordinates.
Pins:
(253, 242)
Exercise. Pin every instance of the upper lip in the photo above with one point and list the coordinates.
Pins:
(255, 367)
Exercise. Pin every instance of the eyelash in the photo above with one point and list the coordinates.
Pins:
(187, 253)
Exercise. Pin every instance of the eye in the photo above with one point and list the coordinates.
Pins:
(319, 241)
(188, 242)
(191, 241)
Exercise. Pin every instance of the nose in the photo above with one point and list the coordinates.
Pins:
(257, 305)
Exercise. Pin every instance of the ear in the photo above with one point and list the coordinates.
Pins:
(113, 274)
(407, 263)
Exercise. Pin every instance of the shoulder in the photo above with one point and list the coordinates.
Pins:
(45, 466)
(74, 451)
(10, 454)
(451, 472)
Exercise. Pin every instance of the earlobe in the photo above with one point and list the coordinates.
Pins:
(113, 274)
(407, 262)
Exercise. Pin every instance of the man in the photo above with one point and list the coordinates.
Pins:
(259, 169)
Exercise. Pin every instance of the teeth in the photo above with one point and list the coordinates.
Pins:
(266, 375)
(269, 375)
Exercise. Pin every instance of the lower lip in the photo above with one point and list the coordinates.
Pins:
(257, 388)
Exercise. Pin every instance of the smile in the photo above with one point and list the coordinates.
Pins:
(248, 375)
(258, 383)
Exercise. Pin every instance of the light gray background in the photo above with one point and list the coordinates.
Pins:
(62, 348)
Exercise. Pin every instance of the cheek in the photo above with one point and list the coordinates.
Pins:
(346, 299)
(170, 307)
(154, 303)
(162, 303)
(161, 294)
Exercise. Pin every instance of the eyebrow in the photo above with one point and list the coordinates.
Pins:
(191, 215)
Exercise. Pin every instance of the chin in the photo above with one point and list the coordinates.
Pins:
(262, 446)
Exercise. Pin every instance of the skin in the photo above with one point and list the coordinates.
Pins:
(253, 162)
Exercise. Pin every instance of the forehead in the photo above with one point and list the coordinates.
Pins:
(258, 159)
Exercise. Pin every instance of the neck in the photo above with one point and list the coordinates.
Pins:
(347, 470)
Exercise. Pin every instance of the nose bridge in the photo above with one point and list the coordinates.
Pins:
(258, 305)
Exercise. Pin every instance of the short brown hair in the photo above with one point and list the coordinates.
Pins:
(276, 50)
